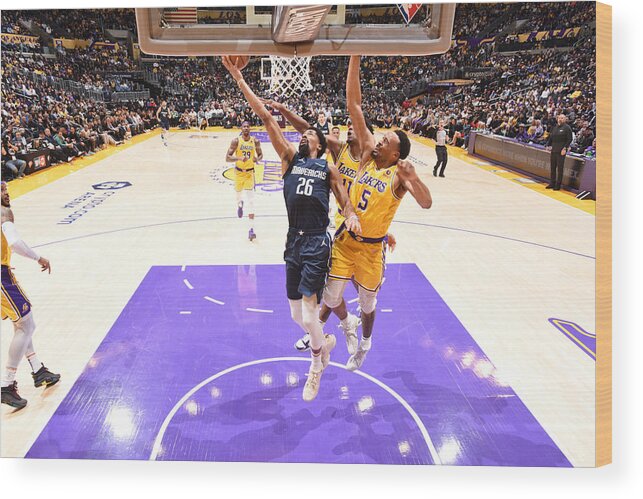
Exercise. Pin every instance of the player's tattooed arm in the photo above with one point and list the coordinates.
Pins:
(285, 149)
(354, 103)
(230, 156)
(341, 194)
(407, 180)
(259, 155)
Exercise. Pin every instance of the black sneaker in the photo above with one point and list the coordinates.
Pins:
(10, 396)
(44, 377)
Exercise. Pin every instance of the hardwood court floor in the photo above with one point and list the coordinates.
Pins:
(514, 267)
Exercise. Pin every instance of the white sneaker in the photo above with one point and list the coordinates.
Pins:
(350, 331)
(311, 388)
(331, 341)
(303, 343)
(356, 361)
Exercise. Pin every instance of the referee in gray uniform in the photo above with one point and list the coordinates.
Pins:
(440, 150)
(560, 138)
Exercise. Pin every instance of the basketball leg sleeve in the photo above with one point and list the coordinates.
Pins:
(32, 358)
(23, 330)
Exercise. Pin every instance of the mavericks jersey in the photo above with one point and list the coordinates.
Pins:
(306, 192)
(374, 200)
(6, 252)
(164, 115)
(325, 128)
(247, 149)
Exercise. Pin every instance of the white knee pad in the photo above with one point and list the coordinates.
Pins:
(22, 334)
(334, 292)
(367, 300)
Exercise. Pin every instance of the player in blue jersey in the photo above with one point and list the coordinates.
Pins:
(308, 180)
(163, 115)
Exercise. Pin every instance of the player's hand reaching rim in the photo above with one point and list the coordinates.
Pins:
(353, 225)
(44, 264)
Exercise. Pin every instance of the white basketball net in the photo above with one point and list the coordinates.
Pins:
(289, 76)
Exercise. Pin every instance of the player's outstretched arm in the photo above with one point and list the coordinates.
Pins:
(341, 194)
(285, 149)
(230, 156)
(407, 180)
(301, 125)
(354, 104)
(17, 244)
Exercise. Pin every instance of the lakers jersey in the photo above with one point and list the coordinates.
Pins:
(246, 149)
(374, 200)
(6, 252)
(347, 167)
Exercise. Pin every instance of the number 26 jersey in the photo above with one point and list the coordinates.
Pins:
(306, 192)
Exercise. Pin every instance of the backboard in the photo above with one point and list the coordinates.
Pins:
(290, 31)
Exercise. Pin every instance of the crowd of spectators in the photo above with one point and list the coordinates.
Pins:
(522, 104)
(472, 20)
(84, 24)
(10, 22)
(519, 96)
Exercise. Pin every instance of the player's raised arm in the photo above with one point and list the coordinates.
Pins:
(285, 149)
(230, 156)
(343, 199)
(301, 125)
(407, 180)
(354, 104)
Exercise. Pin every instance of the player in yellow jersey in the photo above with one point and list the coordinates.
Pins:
(346, 156)
(383, 178)
(245, 151)
(17, 307)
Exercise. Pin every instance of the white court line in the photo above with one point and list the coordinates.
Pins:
(387, 310)
(213, 300)
(156, 448)
(353, 300)
(182, 268)
(260, 310)
(187, 283)
(185, 312)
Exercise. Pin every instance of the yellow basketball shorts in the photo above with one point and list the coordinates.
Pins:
(362, 261)
(15, 303)
(244, 180)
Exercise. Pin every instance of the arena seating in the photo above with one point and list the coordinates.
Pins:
(107, 96)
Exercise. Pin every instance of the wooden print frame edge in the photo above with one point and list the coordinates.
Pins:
(603, 388)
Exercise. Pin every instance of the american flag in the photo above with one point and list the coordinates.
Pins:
(180, 15)
(409, 10)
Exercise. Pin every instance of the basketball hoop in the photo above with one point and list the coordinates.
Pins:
(289, 76)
